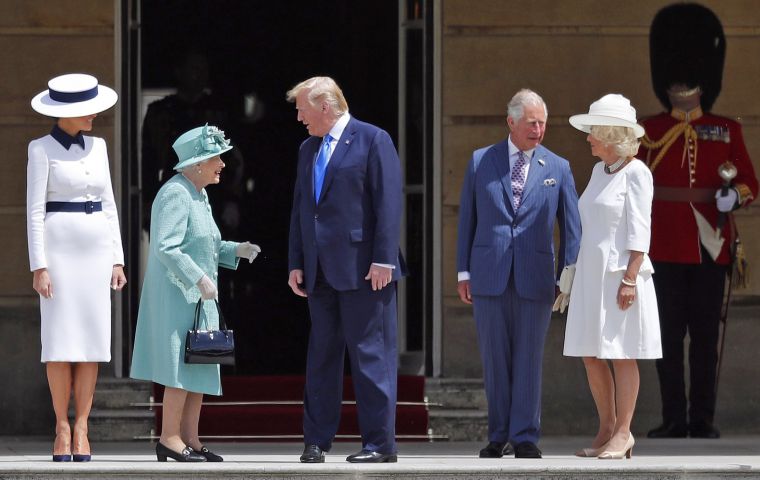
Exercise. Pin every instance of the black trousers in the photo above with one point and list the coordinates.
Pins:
(689, 297)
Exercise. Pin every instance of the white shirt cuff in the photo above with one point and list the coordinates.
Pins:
(462, 276)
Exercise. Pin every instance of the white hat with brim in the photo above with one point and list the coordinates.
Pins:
(199, 144)
(74, 95)
(611, 110)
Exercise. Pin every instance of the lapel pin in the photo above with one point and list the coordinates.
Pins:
(348, 141)
(541, 162)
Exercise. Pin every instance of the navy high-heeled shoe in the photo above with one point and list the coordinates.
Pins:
(82, 458)
(62, 458)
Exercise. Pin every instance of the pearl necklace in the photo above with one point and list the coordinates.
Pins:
(615, 166)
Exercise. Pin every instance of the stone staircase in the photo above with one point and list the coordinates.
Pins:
(461, 415)
(113, 418)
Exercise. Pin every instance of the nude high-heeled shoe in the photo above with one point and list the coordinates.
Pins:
(626, 452)
(590, 452)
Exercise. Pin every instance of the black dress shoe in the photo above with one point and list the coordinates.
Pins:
(367, 456)
(186, 455)
(210, 456)
(312, 454)
(703, 430)
(496, 450)
(527, 450)
(669, 430)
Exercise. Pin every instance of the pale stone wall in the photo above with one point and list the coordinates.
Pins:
(571, 52)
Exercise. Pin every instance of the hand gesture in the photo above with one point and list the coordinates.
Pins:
(207, 288)
(463, 289)
(295, 281)
(247, 250)
(118, 279)
(379, 276)
(42, 284)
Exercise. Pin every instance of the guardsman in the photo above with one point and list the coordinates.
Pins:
(694, 240)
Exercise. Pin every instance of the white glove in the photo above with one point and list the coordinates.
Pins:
(566, 279)
(561, 303)
(247, 250)
(207, 288)
(726, 203)
(565, 286)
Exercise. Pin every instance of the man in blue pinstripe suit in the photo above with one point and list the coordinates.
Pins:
(512, 194)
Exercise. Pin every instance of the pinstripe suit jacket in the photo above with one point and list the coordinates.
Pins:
(493, 239)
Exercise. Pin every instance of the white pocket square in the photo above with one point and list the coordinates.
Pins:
(550, 182)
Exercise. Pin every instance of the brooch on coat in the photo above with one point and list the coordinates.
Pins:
(550, 182)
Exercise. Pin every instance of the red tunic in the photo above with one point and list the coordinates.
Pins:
(675, 236)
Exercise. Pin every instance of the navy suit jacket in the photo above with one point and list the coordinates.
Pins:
(358, 219)
(492, 239)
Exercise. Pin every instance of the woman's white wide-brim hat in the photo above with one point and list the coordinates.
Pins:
(612, 109)
(74, 95)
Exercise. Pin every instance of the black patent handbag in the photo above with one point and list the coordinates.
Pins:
(209, 346)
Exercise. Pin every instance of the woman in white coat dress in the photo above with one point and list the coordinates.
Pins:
(613, 308)
(75, 250)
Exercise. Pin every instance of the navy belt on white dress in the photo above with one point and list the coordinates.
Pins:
(86, 207)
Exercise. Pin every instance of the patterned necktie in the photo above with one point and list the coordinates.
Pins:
(518, 178)
(320, 166)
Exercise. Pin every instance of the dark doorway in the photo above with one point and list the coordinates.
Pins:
(255, 51)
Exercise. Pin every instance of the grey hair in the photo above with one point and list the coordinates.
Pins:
(523, 98)
(321, 89)
(622, 139)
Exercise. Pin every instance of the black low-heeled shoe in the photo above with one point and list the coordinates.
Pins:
(210, 456)
(186, 455)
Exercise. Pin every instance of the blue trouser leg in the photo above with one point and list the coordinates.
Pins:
(369, 322)
(495, 353)
(511, 335)
(324, 367)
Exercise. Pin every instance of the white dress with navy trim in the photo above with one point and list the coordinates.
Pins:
(78, 249)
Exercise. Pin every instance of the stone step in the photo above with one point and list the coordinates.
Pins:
(115, 393)
(121, 424)
(456, 393)
(459, 424)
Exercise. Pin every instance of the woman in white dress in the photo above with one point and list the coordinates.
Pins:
(613, 308)
(75, 250)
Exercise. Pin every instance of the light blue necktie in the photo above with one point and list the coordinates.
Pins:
(320, 166)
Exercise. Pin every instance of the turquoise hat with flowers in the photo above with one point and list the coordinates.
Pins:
(199, 144)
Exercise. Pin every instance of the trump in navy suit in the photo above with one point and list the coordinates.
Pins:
(513, 193)
(344, 257)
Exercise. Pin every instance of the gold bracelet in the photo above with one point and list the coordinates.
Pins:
(627, 282)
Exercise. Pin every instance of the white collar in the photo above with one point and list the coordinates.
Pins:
(513, 149)
(337, 130)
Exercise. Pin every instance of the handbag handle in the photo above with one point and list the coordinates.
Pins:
(196, 321)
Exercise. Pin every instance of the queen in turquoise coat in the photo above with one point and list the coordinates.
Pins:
(186, 250)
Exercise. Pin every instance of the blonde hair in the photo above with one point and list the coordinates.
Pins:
(623, 139)
(321, 89)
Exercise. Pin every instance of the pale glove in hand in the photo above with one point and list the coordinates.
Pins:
(726, 203)
(207, 288)
(565, 285)
(247, 250)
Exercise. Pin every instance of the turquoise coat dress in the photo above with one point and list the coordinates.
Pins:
(185, 244)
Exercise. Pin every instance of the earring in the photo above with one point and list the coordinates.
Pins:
(199, 171)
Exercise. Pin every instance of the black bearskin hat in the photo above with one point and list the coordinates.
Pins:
(687, 46)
